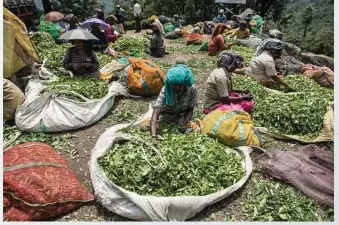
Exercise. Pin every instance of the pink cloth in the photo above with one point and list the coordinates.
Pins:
(246, 106)
(110, 36)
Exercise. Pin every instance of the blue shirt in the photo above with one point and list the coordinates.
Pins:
(221, 19)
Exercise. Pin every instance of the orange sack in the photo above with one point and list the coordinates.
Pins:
(144, 77)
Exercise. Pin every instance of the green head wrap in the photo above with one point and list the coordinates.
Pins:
(178, 74)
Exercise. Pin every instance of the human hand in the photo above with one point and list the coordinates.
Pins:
(76, 66)
(87, 65)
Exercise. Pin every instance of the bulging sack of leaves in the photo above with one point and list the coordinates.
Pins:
(231, 127)
(178, 187)
(39, 184)
(144, 77)
(195, 39)
(324, 76)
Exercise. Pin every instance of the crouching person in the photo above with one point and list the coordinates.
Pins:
(219, 92)
(177, 99)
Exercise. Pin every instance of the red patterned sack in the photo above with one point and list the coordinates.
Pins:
(39, 184)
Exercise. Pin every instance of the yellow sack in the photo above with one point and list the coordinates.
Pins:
(107, 72)
(230, 32)
(17, 45)
(232, 127)
(144, 77)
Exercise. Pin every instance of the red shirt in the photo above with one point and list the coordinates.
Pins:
(216, 44)
(110, 36)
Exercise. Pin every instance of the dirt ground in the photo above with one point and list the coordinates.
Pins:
(229, 209)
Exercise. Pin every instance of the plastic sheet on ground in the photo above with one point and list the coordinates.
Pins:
(146, 208)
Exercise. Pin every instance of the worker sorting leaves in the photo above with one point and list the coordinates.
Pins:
(219, 92)
(216, 42)
(177, 99)
(242, 32)
(262, 67)
(81, 59)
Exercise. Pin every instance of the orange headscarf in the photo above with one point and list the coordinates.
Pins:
(219, 29)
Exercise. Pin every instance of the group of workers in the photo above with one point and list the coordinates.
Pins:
(178, 98)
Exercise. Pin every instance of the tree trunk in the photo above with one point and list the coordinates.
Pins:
(305, 31)
(47, 6)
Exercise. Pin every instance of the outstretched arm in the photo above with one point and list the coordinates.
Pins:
(154, 120)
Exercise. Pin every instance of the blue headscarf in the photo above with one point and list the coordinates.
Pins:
(178, 74)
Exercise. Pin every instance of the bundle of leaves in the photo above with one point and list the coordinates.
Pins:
(273, 201)
(191, 164)
(48, 49)
(89, 87)
(246, 52)
(289, 113)
(104, 59)
(59, 142)
(130, 44)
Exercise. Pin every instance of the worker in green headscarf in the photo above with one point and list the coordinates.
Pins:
(176, 100)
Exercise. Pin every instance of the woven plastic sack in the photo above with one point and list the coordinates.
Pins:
(39, 184)
(107, 72)
(169, 28)
(172, 35)
(17, 45)
(195, 39)
(256, 23)
(231, 127)
(145, 208)
(53, 29)
(144, 77)
(51, 112)
(204, 46)
(324, 76)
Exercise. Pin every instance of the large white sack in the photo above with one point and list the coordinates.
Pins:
(52, 113)
(146, 208)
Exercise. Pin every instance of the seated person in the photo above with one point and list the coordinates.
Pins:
(208, 27)
(157, 48)
(242, 31)
(177, 99)
(262, 67)
(216, 42)
(111, 36)
(74, 23)
(177, 22)
(35, 25)
(81, 60)
(12, 98)
(101, 44)
(219, 84)
(221, 18)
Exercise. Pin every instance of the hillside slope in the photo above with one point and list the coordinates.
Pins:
(320, 34)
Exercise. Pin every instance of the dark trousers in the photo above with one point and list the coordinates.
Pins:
(137, 24)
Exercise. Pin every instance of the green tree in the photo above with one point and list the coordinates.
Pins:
(285, 21)
(306, 18)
